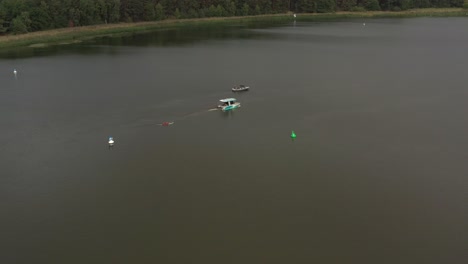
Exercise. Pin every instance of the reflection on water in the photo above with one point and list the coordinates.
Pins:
(181, 36)
(228, 114)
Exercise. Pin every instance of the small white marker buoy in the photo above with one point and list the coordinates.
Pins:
(294, 15)
(15, 72)
(364, 24)
(111, 141)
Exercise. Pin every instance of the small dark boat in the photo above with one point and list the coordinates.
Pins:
(240, 88)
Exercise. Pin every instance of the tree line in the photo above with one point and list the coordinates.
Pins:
(21, 16)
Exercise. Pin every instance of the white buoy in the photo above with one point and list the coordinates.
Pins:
(294, 15)
(111, 141)
(15, 72)
(364, 24)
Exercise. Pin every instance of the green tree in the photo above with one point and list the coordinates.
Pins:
(112, 11)
(177, 13)
(202, 12)
(100, 7)
(21, 23)
(229, 7)
(346, 5)
(3, 29)
(406, 4)
(220, 11)
(58, 12)
(132, 10)
(87, 13)
(307, 6)
(74, 17)
(149, 12)
(421, 3)
(40, 18)
(456, 3)
(192, 13)
(372, 5)
(325, 6)
(159, 12)
(266, 6)
(257, 10)
(245, 11)
(10, 9)
(212, 12)
(279, 6)
(169, 7)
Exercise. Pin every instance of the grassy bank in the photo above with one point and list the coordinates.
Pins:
(71, 35)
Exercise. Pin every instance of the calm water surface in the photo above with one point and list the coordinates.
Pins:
(377, 174)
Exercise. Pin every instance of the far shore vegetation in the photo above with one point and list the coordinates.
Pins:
(40, 22)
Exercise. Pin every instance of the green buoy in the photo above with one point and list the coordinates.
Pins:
(293, 135)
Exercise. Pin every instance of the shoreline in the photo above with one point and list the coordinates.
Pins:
(77, 34)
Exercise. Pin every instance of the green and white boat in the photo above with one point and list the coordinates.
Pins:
(229, 104)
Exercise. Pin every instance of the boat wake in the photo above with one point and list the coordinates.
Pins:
(153, 122)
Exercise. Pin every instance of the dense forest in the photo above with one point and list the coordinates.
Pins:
(21, 16)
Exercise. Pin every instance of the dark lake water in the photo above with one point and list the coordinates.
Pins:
(378, 172)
